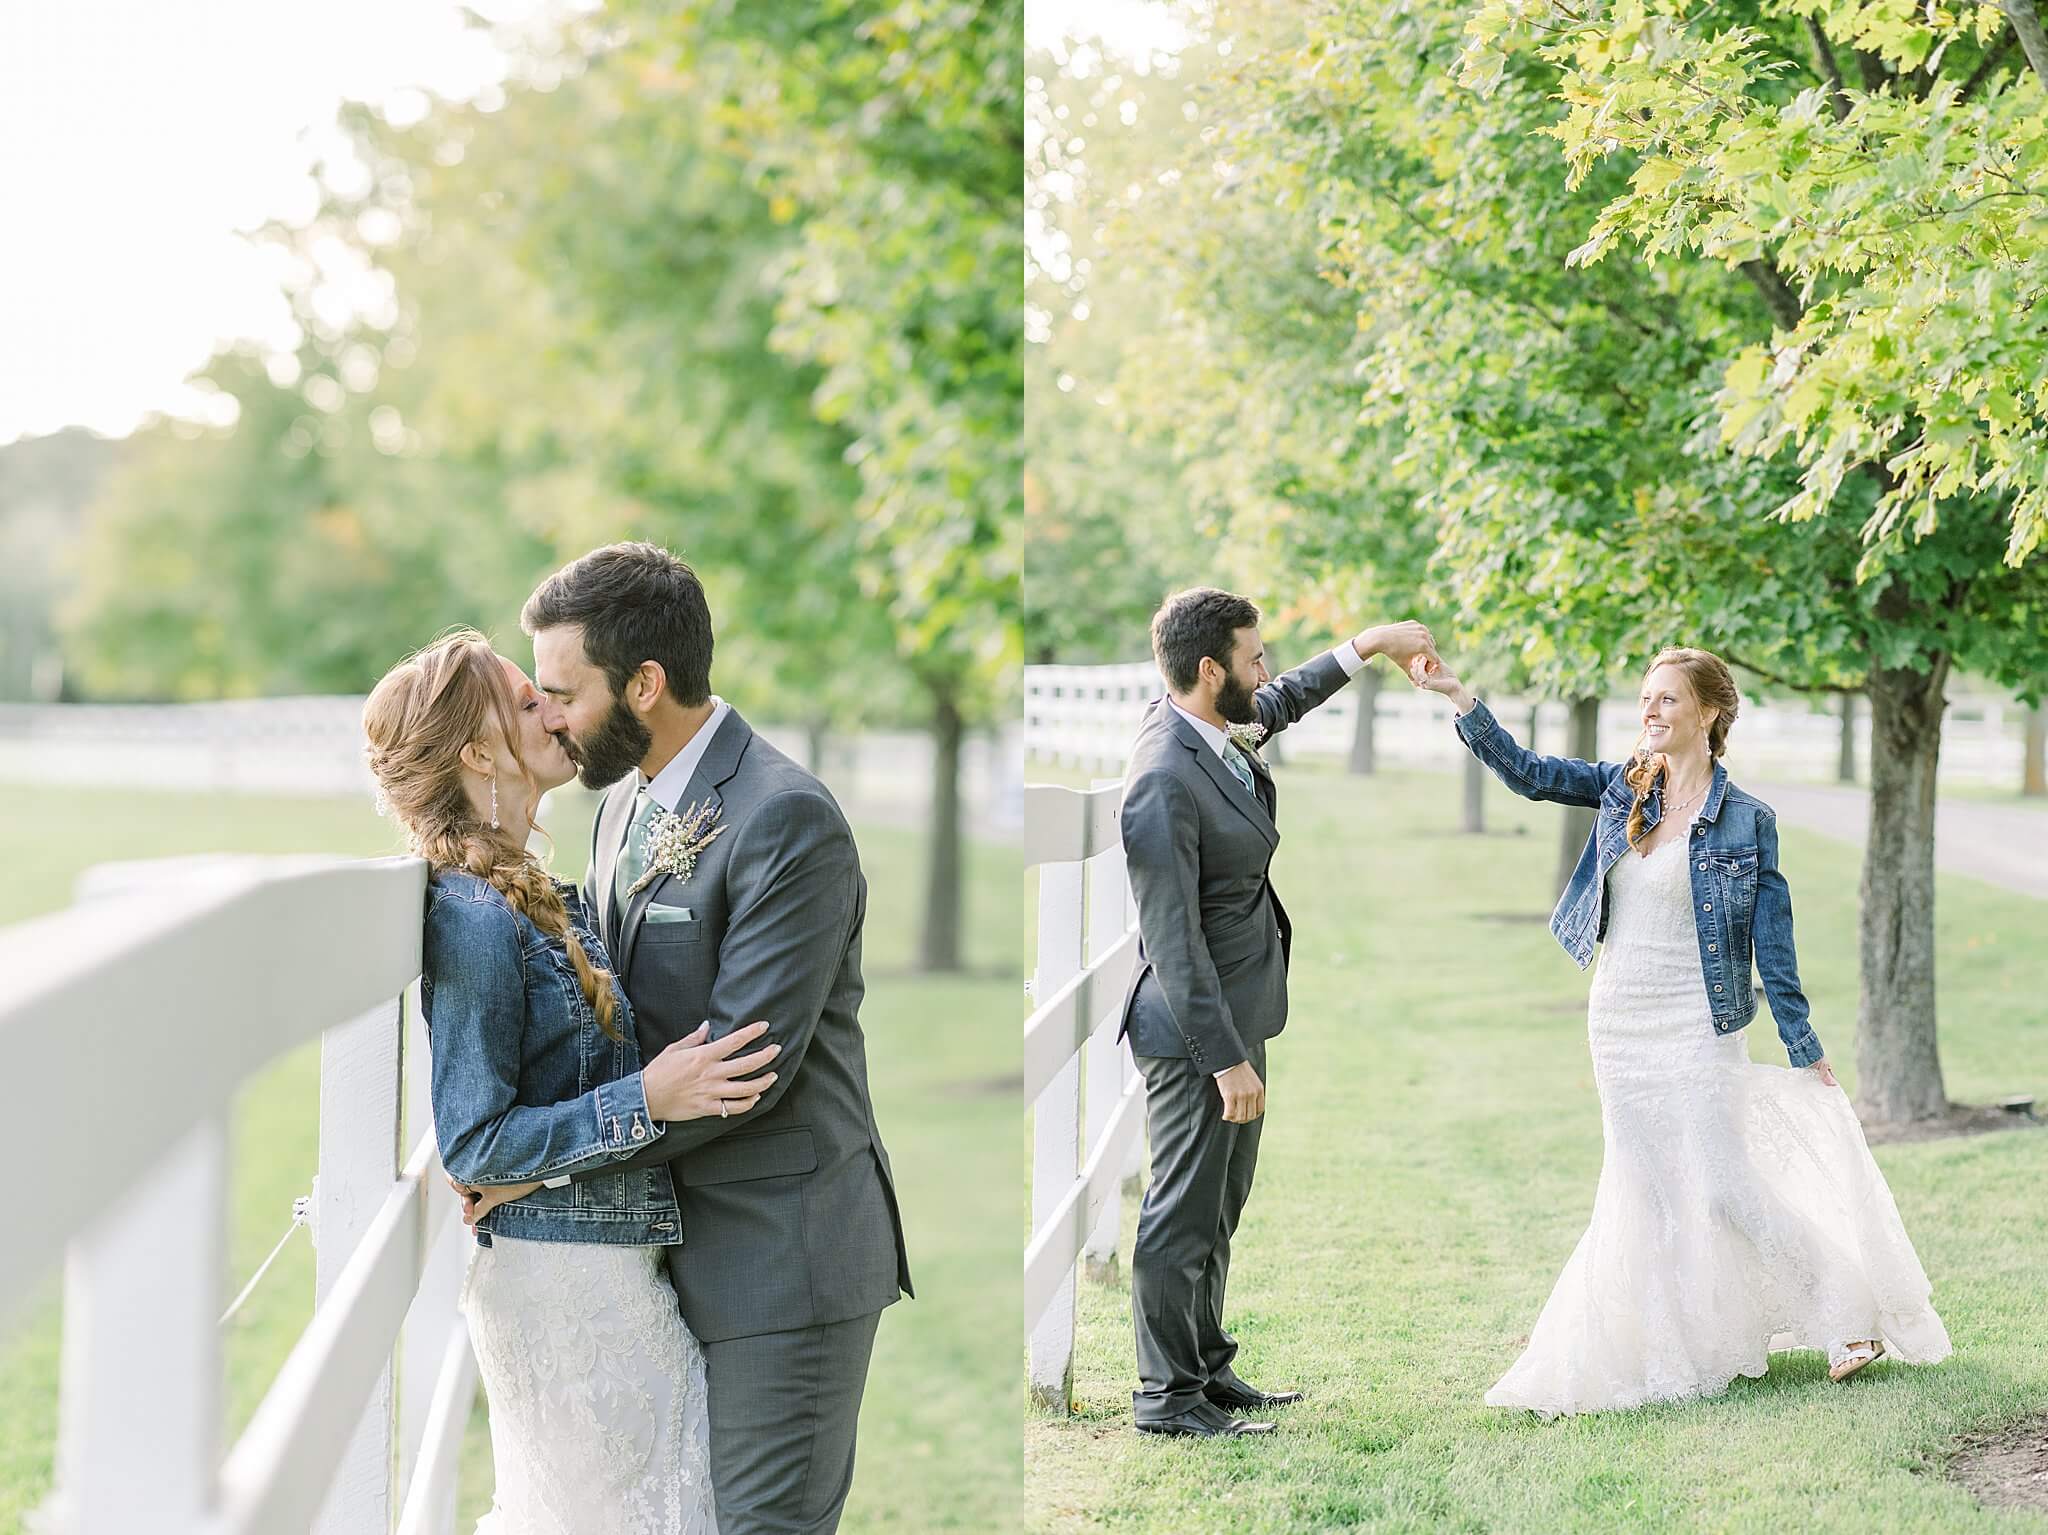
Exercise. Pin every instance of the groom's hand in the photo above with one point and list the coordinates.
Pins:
(1401, 643)
(1244, 1095)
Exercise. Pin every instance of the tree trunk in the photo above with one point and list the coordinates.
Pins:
(939, 948)
(815, 742)
(1578, 824)
(1898, 1070)
(1845, 763)
(2035, 779)
(1364, 750)
(1475, 795)
(1535, 727)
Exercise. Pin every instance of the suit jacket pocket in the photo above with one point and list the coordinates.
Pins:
(1237, 941)
(735, 1158)
(664, 933)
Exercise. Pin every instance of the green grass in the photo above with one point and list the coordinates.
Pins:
(1429, 1160)
(943, 1056)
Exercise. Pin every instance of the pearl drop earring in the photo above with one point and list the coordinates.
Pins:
(494, 804)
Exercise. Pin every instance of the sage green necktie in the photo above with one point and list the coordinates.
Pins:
(1240, 769)
(633, 857)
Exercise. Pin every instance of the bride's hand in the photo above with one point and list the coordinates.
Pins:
(479, 1202)
(1428, 672)
(698, 1076)
(1824, 1071)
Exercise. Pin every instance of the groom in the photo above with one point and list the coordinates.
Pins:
(1211, 985)
(792, 1243)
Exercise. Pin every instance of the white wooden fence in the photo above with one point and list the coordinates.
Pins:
(1077, 1076)
(1087, 716)
(128, 1022)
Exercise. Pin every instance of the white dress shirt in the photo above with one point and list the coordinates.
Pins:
(667, 786)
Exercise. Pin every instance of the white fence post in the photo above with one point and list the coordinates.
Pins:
(434, 1359)
(139, 1405)
(361, 1076)
(1073, 840)
(1055, 1125)
(1109, 1066)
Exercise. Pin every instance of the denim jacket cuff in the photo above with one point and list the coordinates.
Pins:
(623, 1123)
(1806, 1050)
(1476, 724)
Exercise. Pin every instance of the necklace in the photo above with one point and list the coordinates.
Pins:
(1687, 802)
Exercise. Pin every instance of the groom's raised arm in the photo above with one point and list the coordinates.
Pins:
(1162, 853)
(1292, 694)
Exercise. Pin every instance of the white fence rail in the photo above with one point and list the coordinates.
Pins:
(128, 1023)
(1086, 716)
(1086, 1097)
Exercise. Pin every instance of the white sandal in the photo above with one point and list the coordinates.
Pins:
(1855, 1358)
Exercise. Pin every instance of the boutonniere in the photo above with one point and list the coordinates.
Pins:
(1246, 738)
(674, 841)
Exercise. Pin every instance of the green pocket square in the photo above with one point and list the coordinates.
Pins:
(668, 914)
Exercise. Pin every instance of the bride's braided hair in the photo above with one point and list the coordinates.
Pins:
(418, 718)
(1713, 687)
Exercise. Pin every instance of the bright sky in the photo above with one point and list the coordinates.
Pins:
(1133, 28)
(140, 135)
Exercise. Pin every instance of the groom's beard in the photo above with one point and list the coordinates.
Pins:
(1234, 703)
(614, 749)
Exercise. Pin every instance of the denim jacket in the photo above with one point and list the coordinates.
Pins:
(1741, 903)
(526, 1086)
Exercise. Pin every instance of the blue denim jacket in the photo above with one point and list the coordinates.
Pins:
(526, 1086)
(1741, 903)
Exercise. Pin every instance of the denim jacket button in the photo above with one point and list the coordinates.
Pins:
(1706, 906)
(1713, 948)
(1717, 986)
(1702, 866)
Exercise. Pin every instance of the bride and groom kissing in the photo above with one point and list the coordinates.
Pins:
(651, 1089)
(1738, 1209)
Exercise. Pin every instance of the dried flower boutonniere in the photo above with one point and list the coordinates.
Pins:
(1246, 738)
(674, 841)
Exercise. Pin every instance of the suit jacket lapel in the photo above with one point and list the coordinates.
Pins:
(720, 761)
(1248, 805)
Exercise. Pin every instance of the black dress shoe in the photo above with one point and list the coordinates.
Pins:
(1242, 1398)
(1202, 1422)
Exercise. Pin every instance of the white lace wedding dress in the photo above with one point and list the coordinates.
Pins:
(1738, 1210)
(596, 1391)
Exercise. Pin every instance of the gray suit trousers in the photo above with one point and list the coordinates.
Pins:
(784, 1408)
(1201, 1176)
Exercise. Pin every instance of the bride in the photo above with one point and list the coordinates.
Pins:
(1738, 1209)
(596, 1387)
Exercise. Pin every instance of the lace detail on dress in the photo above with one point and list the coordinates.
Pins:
(1738, 1210)
(597, 1396)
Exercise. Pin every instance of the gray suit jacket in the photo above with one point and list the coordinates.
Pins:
(1213, 938)
(789, 1211)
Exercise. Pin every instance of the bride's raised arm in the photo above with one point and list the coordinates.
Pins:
(1559, 780)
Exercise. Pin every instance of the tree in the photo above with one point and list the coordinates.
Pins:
(1563, 423)
(717, 278)
(45, 485)
(1891, 231)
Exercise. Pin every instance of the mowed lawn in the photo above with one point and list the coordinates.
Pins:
(943, 1056)
(1429, 1160)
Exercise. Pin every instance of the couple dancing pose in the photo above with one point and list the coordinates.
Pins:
(1738, 1209)
(652, 1090)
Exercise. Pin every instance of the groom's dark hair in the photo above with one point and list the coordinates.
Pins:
(635, 603)
(1189, 625)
